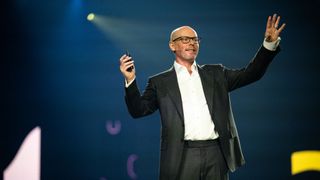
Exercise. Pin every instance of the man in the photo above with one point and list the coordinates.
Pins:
(199, 139)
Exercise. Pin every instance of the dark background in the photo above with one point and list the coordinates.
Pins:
(61, 72)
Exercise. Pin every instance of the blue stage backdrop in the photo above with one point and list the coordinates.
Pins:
(60, 72)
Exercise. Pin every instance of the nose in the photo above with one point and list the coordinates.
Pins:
(193, 44)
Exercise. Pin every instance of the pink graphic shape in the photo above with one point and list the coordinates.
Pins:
(113, 128)
(130, 166)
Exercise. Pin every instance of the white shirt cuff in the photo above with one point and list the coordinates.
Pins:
(271, 46)
(129, 83)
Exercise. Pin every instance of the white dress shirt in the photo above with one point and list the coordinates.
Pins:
(197, 119)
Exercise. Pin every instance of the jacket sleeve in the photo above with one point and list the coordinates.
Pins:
(254, 71)
(141, 105)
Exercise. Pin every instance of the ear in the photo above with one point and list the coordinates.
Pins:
(172, 46)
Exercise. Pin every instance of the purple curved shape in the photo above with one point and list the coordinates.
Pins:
(113, 129)
(130, 166)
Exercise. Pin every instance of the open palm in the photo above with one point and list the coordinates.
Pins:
(272, 31)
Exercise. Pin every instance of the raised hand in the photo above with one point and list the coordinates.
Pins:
(272, 31)
(125, 63)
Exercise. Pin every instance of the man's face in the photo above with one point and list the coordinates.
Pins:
(185, 44)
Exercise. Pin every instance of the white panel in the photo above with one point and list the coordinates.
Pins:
(26, 163)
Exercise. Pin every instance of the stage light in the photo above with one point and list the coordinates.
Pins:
(90, 17)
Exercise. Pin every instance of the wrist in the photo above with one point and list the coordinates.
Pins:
(272, 46)
(130, 79)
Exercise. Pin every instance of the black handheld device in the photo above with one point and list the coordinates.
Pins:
(130, 68)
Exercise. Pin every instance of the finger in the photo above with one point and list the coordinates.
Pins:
(126, 66)
(277, 22)
(129, 59)
(128, 62)
(274, 19)
(125, 59)
(122, 57)
(281, 28)
(132, 65)
(269, 22)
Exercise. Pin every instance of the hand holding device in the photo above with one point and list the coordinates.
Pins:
(127, 67)
(131, 67)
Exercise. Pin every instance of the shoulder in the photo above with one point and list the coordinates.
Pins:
(212, 67)
(162, 74)
(215, 71)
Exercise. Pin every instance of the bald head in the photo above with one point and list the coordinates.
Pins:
(184, 43)
(183, 31)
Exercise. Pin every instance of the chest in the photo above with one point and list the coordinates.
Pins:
(191, 89)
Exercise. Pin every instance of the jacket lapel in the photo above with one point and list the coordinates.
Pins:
(172, 85)
(209, 84)
(207, 81)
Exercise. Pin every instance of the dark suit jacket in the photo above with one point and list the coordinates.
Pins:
(162, 92)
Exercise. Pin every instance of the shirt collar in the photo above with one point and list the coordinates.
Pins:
(179, 68)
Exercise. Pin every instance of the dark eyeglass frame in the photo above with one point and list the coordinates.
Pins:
(187, 39)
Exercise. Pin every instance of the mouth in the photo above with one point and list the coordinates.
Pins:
(191, 50)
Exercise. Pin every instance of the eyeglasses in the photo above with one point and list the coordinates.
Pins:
(186, 39)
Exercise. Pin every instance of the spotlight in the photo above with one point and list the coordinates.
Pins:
(90, 17)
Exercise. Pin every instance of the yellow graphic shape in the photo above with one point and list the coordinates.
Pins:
(302, 161)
